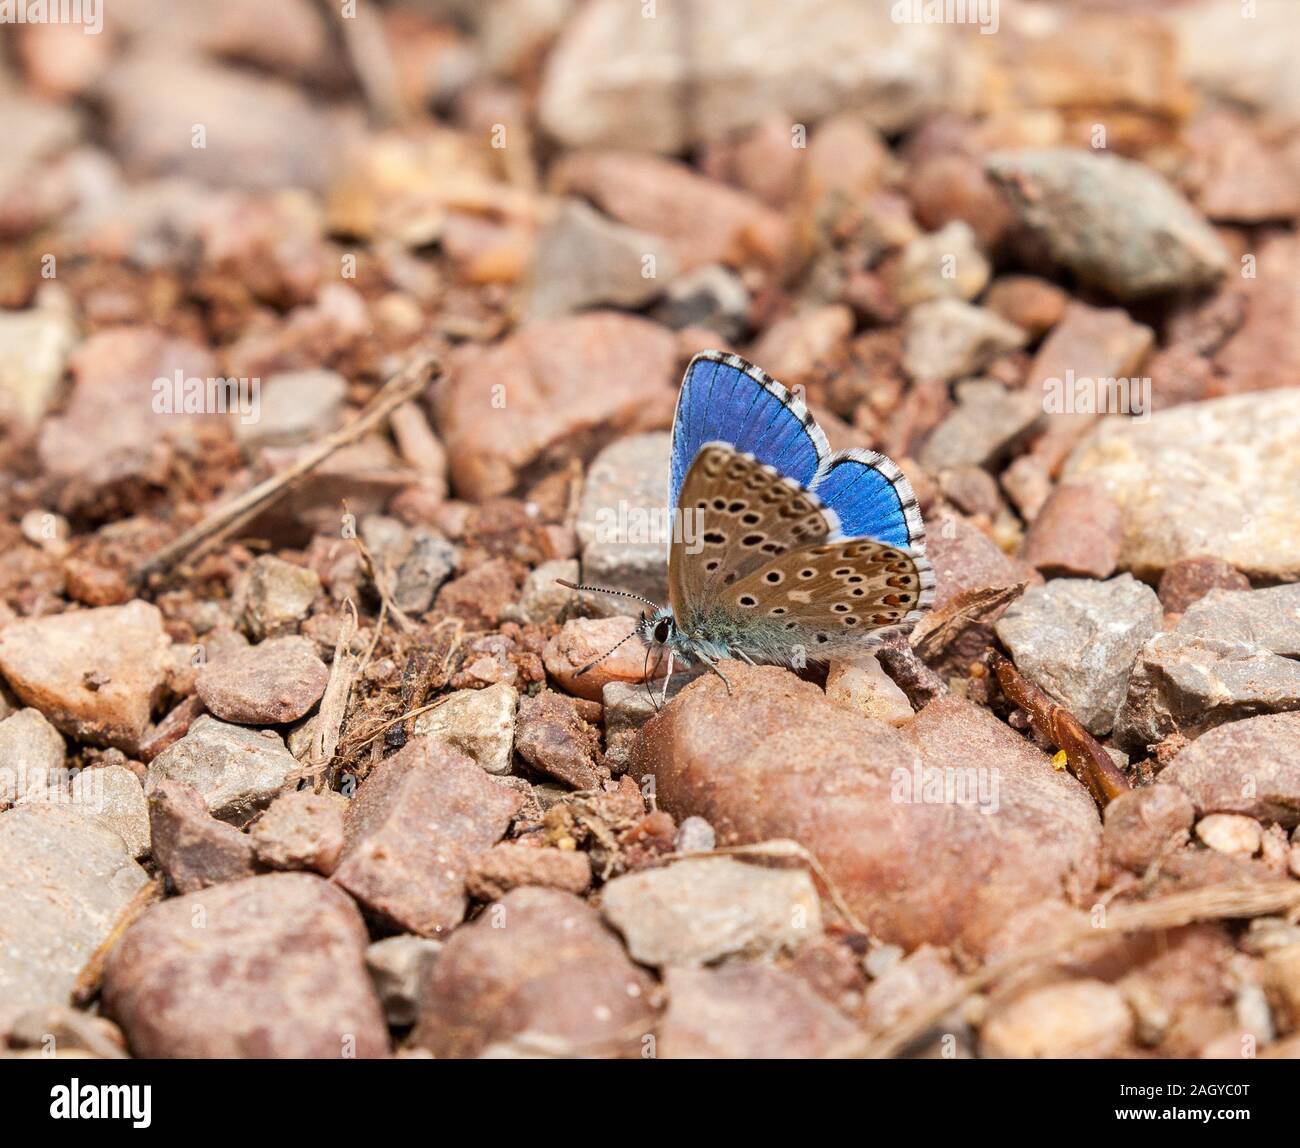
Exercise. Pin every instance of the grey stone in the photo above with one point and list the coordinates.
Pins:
(31, 754)
(987, 423)
(1218, 478)
(1232, 655)
(276, 595)
(65, 884)
(296, 407)
(113, 796)
(947, 339)
(694, 835)
(428, 564)
(712, 297)
(944, 264)
(479, 723)
(700, 910)
(400, 966)
(1077, 639)
(237, 770)
(584, 260)
(623, 525)
(1112, 221)
(542, 599)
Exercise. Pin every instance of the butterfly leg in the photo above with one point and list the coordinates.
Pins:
(714, 667)
(668, 677)
(745, 657)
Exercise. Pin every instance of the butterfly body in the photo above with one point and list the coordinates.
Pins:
(796, 554)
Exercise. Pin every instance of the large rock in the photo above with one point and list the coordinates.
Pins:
(896, 817)
(749, 1012)
(413, 831)
(618, 79)
(66, 883)
(536, 973)
(552, 389)
(1250, 767)
(1114, 222)
(1232, 655)
(267, 967)
(237, 770)
(1076, 639)
(700, 910)
(1218, 478)
(94, 673)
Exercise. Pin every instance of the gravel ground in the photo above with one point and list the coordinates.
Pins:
(329, 344)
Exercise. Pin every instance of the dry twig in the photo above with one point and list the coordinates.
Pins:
(405, 385)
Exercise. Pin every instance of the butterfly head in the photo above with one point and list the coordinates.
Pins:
(659, 629)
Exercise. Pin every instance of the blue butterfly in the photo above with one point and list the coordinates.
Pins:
(782, 552)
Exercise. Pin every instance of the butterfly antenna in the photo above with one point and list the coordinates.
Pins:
(605, 590)
(606, 654)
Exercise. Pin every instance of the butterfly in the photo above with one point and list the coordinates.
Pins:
(782, 552)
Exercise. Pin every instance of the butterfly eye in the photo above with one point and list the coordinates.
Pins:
(662, 630)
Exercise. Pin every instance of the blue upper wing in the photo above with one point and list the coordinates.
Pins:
(872, 498)
(725, 399)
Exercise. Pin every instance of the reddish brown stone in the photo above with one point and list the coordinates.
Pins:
(1188, 580)
(537, 972)
(482, 596)
(748, 1013)
(268, 967)
(274, 682)
(555, 390)
(551, 737)
(413, 831)
(1032, 304)
(508, 866)
(191, 846)
(758, 764)
(1144, 824)
(1078, 533)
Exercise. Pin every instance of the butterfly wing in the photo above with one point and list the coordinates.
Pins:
(736, 514)
(871, 498)
(724, 398)
(822, 600)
